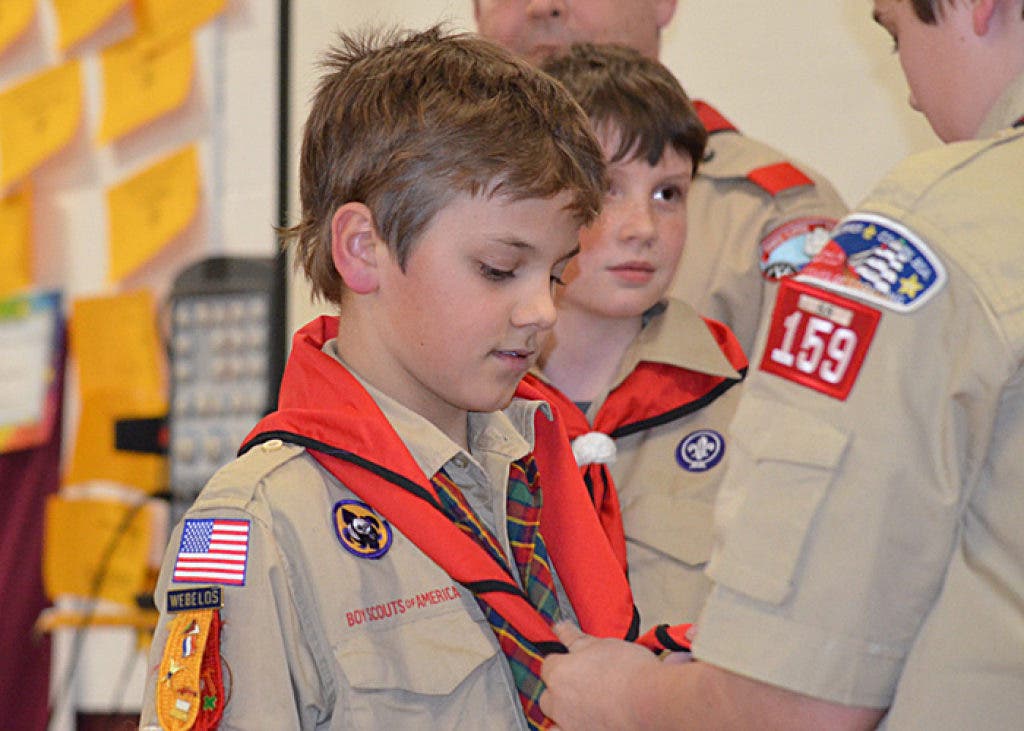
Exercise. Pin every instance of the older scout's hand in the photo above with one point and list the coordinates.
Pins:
(590, 688)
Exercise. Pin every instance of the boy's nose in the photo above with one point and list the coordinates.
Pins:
(637, 225)
(538, 310)
(545, 8)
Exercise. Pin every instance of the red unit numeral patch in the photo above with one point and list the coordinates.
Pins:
(818, 339)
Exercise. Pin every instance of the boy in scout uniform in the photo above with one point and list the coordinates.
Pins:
(394, 543)
(870, 557)
(755, 215)
(646, 385)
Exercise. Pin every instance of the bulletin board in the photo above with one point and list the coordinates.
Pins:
(136, 138)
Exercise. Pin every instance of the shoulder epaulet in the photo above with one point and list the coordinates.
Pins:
(712, 119)
(778, 177)
(240, 477)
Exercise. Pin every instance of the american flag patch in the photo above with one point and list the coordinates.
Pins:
(213, 549)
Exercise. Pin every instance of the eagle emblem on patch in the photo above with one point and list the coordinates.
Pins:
(360, 530)
(700, 450)
(879, 260)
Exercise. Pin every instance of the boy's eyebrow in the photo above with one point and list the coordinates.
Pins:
(515, 243)
(526, 245)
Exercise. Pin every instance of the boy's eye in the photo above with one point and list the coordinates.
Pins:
(556, 280)
(494, 274)
(668, 193)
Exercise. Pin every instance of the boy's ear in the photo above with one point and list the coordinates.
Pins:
(354, 242)
(664, 10)
(981, 15)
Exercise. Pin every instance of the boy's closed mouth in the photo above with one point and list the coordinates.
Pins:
(520, 357)
(633, 271)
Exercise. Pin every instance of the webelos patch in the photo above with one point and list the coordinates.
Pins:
(879, 260)
(818, 338)
(788, 248)
(361, 531)
(700, 450)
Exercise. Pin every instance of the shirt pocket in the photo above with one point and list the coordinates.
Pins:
(678, 527)
(781, 466)
(442, 671)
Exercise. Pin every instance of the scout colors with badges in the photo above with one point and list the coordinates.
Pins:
(190, 687)
(819, 337)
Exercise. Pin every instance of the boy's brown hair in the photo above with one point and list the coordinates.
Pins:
(633, 97)
(404, 122)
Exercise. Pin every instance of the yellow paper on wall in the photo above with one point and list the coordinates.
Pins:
(38, 118)
(78, 537)
(142, 80)
(115, 343)
(95, 456)
(115, 348)
(77, 20)
(16, 241)
(170, 17)
(149, 209)
(15, 15)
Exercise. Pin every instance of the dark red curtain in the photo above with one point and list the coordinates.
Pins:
(26, 478)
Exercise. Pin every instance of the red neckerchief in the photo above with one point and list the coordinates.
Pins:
(325, 409)
(652, 395)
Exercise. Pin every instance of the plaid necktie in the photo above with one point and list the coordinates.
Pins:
(532, 565)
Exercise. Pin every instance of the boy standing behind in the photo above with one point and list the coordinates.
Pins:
(625, 362)
(376, 558)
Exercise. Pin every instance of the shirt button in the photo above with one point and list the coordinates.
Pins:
(460, 461)
(271, 445)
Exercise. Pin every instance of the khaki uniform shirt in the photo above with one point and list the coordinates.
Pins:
(318, 638)
(871, 551)
(665, 494)
(732, 221)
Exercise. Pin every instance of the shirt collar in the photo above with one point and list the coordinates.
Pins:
(676, 335)
(1006, 111)
(508, 433)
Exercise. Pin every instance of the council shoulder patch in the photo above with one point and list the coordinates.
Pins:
(879, 260)
(789, 247)
(818, 338)
(361, 531)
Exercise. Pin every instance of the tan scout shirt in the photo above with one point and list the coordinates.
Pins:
(871, 551)
(731, 220)
(665, 494)
(318, 638)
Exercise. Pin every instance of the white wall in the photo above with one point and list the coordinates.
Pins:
(816, 79)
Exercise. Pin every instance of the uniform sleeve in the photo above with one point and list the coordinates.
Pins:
(839, 512)
(269, 673)
(740, 233)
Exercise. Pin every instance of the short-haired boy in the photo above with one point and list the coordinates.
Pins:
(381, 564)
(646, 385)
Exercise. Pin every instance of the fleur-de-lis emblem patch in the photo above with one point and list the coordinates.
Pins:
(701, 450)
(360, 530)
